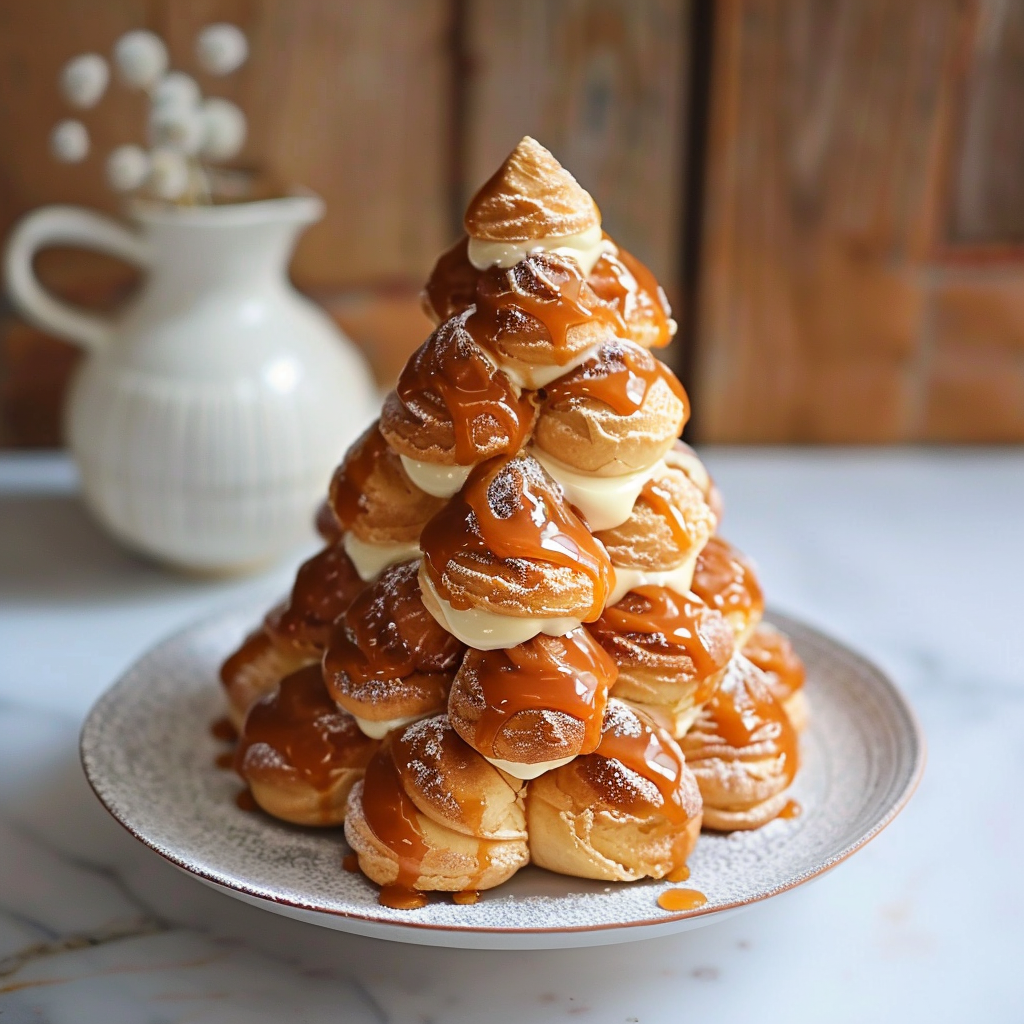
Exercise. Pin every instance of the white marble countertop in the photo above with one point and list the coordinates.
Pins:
(915, 557)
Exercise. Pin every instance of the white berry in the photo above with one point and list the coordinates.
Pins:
(69, 142)
(141, 58)
(177, 90)
(221, 49)
(224, 130)
(168, 174)
(83, 80)
(127, 168)
(177, 127)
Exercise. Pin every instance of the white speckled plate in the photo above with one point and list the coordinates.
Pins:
(149, 755)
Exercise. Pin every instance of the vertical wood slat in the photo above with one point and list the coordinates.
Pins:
(602, 83)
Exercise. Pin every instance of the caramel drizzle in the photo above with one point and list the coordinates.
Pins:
(724, 580)
(510, 510)
(620, 376)
(744, 716)
(387, 633)
(772, 652)
(669, 619)
(548, 289)
(661, 503)
(653, 756)
(570, 674)
(324, 588)
(630, 288)
(393, 818)
(303, 724)
(472, 390)
(349, 481)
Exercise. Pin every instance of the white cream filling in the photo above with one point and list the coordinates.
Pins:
(678, 580)
(378, 730)
(585, 248)
(525, 772)
(488, 631)
(605, 501)
(370, 559)
(529, 378)
(440, 481)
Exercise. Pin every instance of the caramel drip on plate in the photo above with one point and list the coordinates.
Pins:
(570, 674)
(681, 874)
(791, 810)
(470, 391)
(661, 503)
(543, 289)
(620, 376)
(681, 899)
(392, 817)
(323, 590)
(451, 287)
(745, 717)
(641, 747)
(467, 898)
(772, 652)
(310, 735)
(245, 801)
(621, 280)
(224, 730)
(350, 862)
(387, 633)
(349, 480)
(725, 580)
(510, 509)
(661, 618)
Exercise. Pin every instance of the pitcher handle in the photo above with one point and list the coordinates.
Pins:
(65, 225)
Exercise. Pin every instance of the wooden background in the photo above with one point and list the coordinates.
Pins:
(832, 191)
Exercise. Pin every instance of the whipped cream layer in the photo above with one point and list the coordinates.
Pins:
(585, 248)
(371, 559)
(437, 480)
(605, 501)
(678, 580)
(525, 772)
(488, 631)
(378, 730)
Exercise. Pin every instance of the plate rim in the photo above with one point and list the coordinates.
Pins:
(775, 617)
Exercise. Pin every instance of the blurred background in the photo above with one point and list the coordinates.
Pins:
(831, 191)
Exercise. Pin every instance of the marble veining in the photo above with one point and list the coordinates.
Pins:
(913, 557)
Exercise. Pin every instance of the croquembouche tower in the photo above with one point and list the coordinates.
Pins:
(524, 640)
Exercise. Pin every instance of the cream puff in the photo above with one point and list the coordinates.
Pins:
(377, 506)
(301, 754)
(725, 580)
(772, 652)
(659, 543)
(743, 750)
(453, 408)
(388, 661)
(507, 559)
(682, 457)
(630, 810)
(294, 632)
(532, 707)
(326, 523)
(671, 651)
(432, 814)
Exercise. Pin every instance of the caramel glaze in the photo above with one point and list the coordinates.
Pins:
(748, 723)
(451, 287)
(350, 862)
(448, 378)
(245, 801)
(388, 634)
(681, 899)
(620, 375)
(661, 503)
(649, 752)
(622, 281)
(224, 730)
(725, 579)
(349, 480)
(311, 737)
(326, 523)
(393, 818)
(570, 674)
(510, 509)
(324, 588)
(791, 810)
(657, 618)
(540, 297)
(773, 654)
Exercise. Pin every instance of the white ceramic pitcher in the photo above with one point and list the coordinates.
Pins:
(211, 408)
